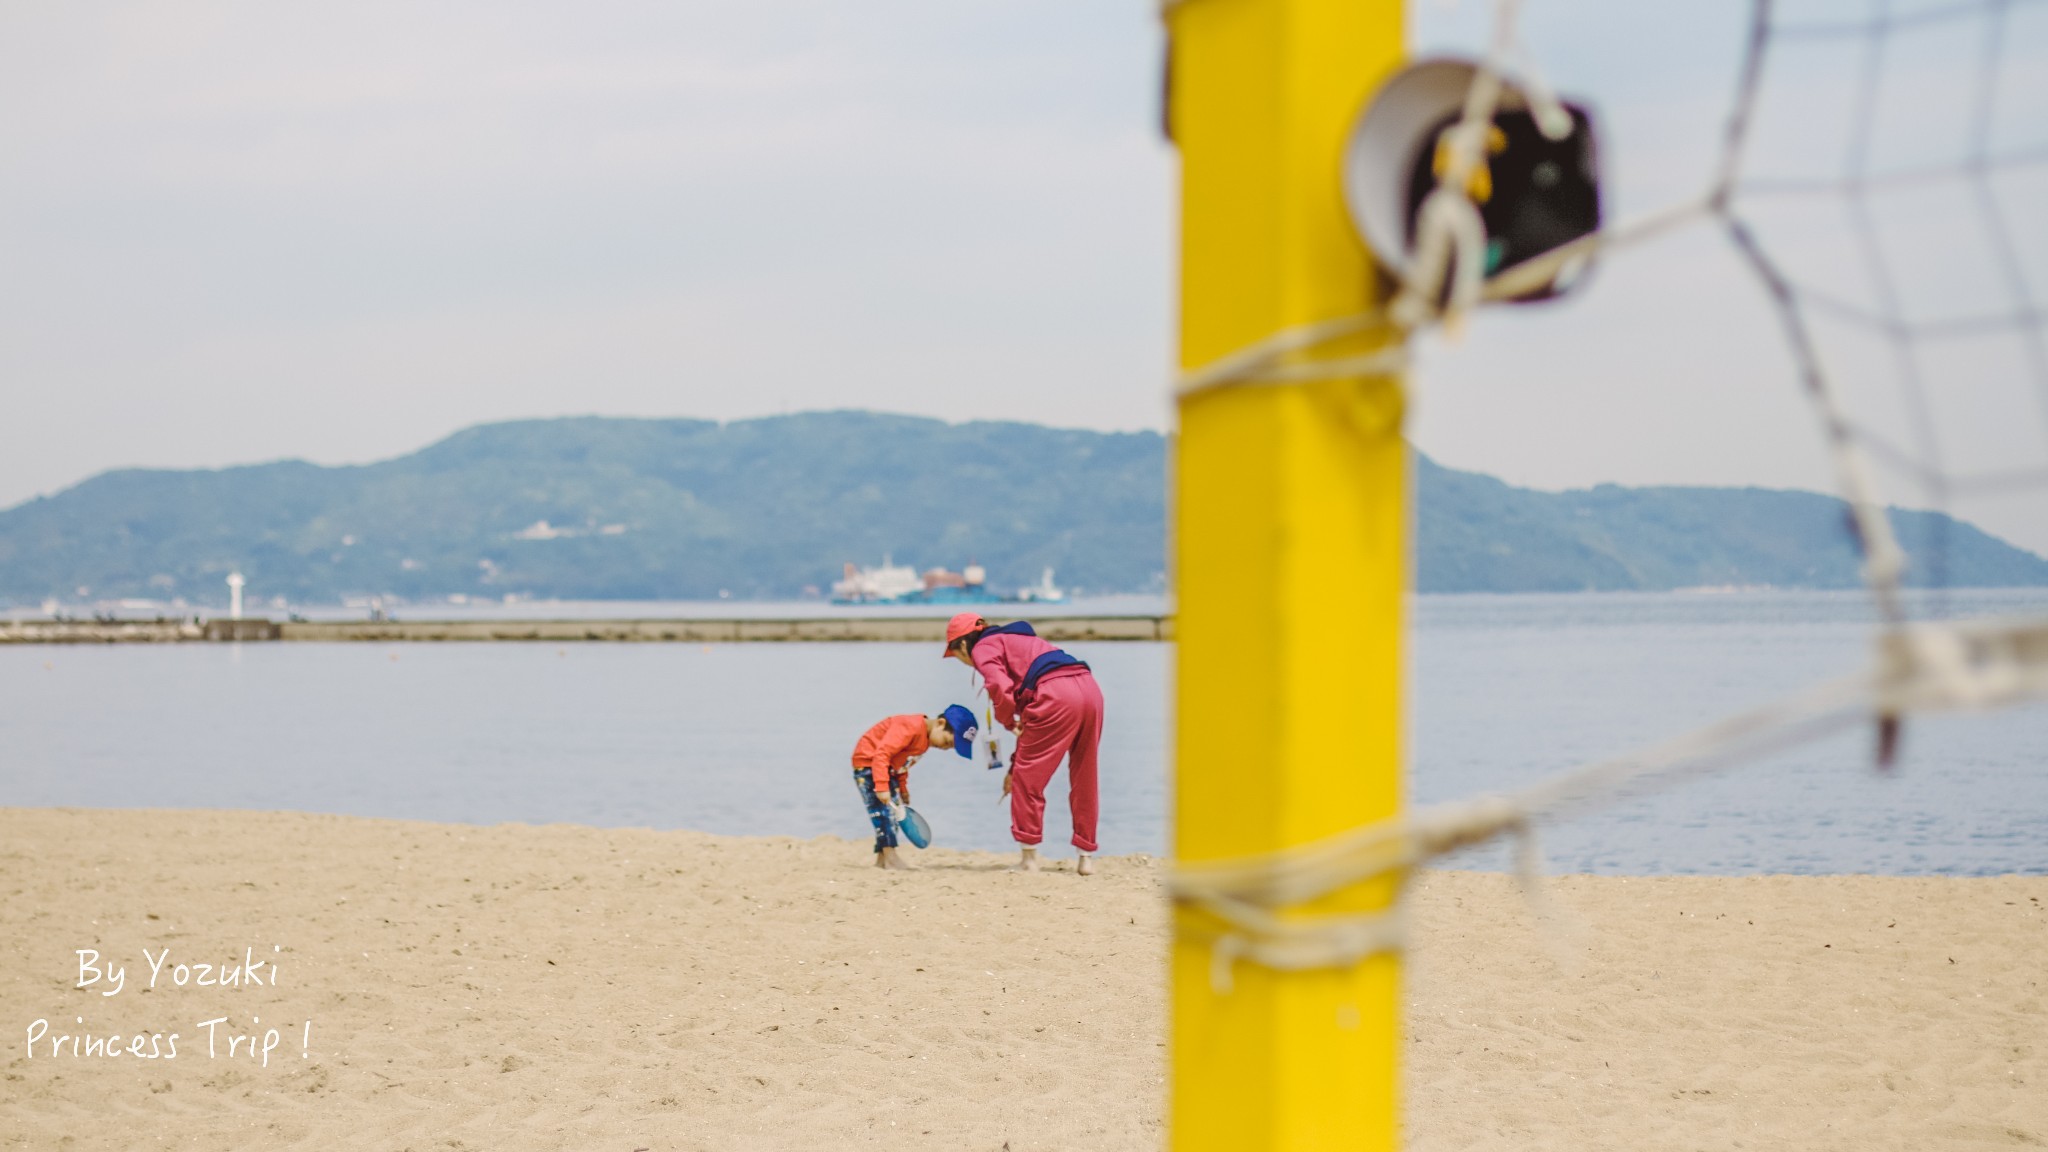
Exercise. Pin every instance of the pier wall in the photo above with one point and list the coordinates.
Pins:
(99, 631)
(886, 629)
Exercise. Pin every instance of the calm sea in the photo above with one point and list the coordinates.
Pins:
(754, 738)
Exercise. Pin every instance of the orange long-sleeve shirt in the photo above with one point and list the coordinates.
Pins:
(890, 747)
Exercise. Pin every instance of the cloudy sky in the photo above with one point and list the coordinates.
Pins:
(233, 231)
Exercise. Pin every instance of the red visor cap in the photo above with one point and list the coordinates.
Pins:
(965, 624)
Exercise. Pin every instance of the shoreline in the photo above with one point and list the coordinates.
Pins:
(542, 986)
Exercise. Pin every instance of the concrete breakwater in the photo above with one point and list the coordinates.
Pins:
(100, 631)
(836, 628)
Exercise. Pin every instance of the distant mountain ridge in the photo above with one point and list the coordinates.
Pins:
(599, 508)
(1478, 534)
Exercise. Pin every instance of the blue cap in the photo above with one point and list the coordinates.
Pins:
(961, 720)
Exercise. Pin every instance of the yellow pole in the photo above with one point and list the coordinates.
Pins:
(1290, 530)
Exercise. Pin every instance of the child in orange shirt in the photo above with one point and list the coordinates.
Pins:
(881, 767)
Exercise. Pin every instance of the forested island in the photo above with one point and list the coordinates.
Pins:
(602, 508)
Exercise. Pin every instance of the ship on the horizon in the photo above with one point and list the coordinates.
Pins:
(967, 586)
(1043, 592)
(900, 584)
(887, 584)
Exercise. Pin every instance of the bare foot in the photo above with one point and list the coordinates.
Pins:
(879, 861)
(1028, 862)
(893, 861)
(1085, 866)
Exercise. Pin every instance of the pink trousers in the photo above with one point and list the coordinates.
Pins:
(1064, 719)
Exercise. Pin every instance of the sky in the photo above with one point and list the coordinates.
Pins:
(233, 232)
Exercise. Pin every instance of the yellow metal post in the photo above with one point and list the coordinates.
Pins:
(1290, 534)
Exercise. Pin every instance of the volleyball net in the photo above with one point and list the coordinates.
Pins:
(1881, 175)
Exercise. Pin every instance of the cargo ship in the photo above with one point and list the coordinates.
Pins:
(900, 584)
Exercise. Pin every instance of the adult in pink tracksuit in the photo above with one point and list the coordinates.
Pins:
(1051, 701)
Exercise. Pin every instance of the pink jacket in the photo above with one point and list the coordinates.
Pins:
(1002, 660)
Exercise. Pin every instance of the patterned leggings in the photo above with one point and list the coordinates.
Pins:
(878, 809)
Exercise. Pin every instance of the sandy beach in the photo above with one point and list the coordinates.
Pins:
(521, 987)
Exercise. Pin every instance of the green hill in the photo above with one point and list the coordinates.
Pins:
(1478, 534)
(656, 509)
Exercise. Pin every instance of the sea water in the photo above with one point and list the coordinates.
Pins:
(754, 738)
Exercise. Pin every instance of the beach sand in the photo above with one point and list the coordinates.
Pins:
(561, 987)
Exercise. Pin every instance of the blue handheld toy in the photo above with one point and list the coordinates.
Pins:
(915, 829)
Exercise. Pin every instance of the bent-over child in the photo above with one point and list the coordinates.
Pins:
(881, 767)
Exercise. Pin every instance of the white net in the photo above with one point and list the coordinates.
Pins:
(1882, 174)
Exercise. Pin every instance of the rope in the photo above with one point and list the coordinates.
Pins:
(1450, 243)
(1251, 907)
(1262, 363)
(1255, 909)
(1451, 239)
